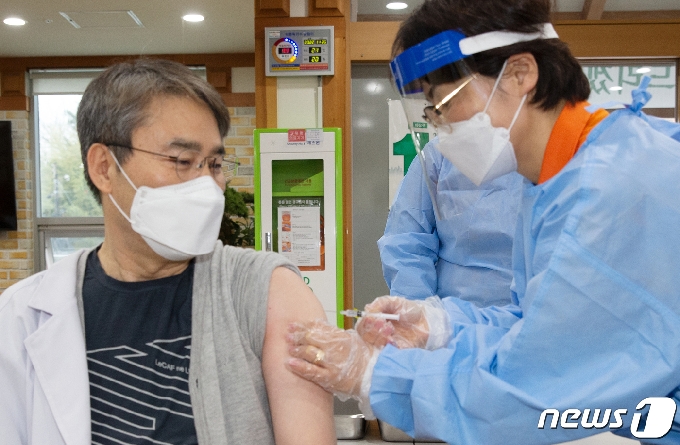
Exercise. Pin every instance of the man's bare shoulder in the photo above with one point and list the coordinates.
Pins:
(296, 300)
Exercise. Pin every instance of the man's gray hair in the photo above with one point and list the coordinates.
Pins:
(116, 103)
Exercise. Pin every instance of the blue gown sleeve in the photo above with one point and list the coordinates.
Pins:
(600, 320)
(463, 312)
(409, 248)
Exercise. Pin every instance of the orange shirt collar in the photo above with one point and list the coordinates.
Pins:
(569, 133)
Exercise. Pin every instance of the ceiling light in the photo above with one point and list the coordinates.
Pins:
(396, 5)
(615, 88)
(374, 88)
(193, 18)
(643, 70)
(14, 21)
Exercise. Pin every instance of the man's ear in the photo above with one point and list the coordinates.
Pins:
(100, 167)
(521, 74)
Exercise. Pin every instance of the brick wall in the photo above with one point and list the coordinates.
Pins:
(16, 247)
(239, 143)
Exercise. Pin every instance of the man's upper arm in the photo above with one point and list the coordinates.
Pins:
(302, 412)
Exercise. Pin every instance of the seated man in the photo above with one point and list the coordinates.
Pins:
(161, 334)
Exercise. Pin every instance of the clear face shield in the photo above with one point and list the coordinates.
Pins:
(435, 77)
(425, 116)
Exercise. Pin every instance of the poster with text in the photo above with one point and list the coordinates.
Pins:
(299, 235)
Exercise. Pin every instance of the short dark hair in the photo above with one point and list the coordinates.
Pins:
(116, 103)
(560, 76)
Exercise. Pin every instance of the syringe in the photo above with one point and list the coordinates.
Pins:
(358, 314)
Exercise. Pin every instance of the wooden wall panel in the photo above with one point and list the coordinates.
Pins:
(13, 90)
(265, 87)
(220, 79)
(15, 103)
(13, 83)
(371, 41)
(272, 8)
(585, 38)
(328, 8)
(238, 99)
(621, 39)
(218, 69)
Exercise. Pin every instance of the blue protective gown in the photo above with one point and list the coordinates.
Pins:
(467, 254)
(596, 316)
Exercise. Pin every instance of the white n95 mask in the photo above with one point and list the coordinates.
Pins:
(177, 221)
(479, 150)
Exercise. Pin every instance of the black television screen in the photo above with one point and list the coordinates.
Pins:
(8, 201)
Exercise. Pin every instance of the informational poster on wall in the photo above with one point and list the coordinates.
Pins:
(300, 233)
(298, 211)
(402, 150)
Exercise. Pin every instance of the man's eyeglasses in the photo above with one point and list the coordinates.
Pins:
(433, 115)
(189, 164)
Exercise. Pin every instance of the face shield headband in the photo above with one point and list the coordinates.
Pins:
(452, 46)
(442, 58)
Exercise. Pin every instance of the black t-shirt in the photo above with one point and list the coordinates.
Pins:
(138, 340)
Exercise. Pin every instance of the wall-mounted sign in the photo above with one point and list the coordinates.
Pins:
(299, 51)
(402, 151)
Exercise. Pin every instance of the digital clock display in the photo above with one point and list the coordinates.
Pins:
(297, 51)
(316, 41)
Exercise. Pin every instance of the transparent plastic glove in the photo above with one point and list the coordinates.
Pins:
(422, 323)
(337, 360)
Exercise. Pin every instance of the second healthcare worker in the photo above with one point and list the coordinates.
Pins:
(464, 252)
(596, 319)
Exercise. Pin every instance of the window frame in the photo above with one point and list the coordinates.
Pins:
(72, 230)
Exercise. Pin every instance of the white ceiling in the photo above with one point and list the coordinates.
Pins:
(107, 29)
(228, 27)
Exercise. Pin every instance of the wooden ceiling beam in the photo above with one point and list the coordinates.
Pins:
(673, 14)
(670, 16)
(593, 9)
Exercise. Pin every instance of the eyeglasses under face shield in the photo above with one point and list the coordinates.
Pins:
(431, 75)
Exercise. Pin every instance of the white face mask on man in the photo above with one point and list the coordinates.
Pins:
(178, 221)
(479, 150)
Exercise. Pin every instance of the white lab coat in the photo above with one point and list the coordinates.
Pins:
(44, 385)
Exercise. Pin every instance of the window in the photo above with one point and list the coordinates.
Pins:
(611, 84)
(61, 242)
(67, 215)
(63, 190)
